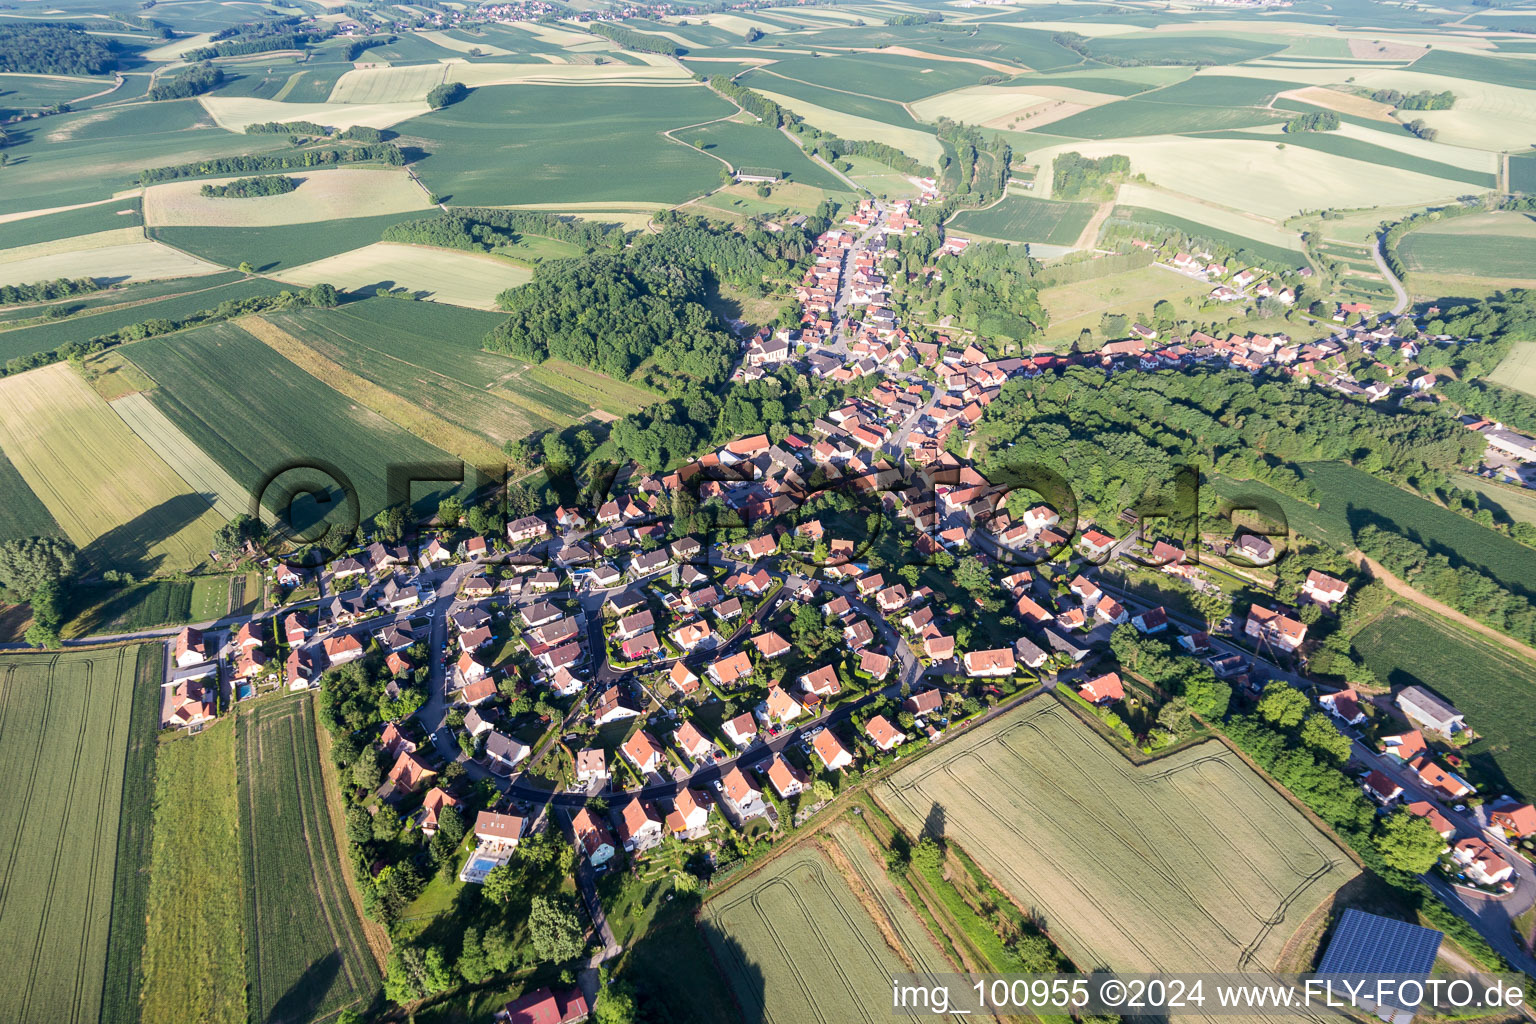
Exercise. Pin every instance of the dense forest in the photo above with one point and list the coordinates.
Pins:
(1074, 175)
(257, 42)
(1317, 121)
(481, 230)
(298, 160)
(248, 188)
(632, 40)
(53, 48)
(45, 291)
(195, 82)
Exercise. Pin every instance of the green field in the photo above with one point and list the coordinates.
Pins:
(882, 75)
(134, 292)
(89, 155)
(22, 512)
(1408, 647)
(1027, 219)
(1522, 172)
(796, 944)
(1484, 245)
(1215, 49)
(758, 145)
(21, 94)
(1196, 863)
(872, 107)
(194, 294)
(1141, 215)
(283, 245)
(84, 221)
(569, 144)
(192, 956)
(1518, 369)
(1518, 504)
(1202, 104)
(64, 742)
(256, 413)
(306, 955)
(1495, 70)
(126, 609)
(1351, 499)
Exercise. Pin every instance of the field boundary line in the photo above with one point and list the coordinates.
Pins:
(1406, 591)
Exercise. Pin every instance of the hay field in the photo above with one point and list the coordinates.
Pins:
(63, 735)
(1518, 369)
(112, 495)
(205, 476)
(1234, 221)
(127, 234)
(445, 275)
(1246, 174)
(997, 105)
(796, 942)
(1342, 102)
(411, 83)
(234, 113)
(333, 194)
(140, 260)
(1190, 863)
(916, 144)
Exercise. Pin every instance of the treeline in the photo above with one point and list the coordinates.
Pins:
(1171, 240)
(449, 92)
(1076, 175)
(355, 48)
(191, 83)
(1317, 121)
(261, 163)
(1395, 233)
(977, 173)
(262, 43)
(322, 295)
(248, 188)
(905, 20)
(1490, 401)
(480, 230)
(1083, 47)
(1418, 127)
(54, 48)
(1424, 100)
(753, 102)
(632, 40)
(44, 291)
(356, 133)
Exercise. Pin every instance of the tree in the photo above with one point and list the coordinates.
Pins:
(448, 92)
(412, 973)
(500, 885)
(1283, 705)
(1174, 716)
(1208, 696)
(322, 295)
(28, 565)
(821, 791)
(450, 511)
(386, 824)
(1037, 954)
(557, 454)
(391, 523)
(246, 268)
(359, 824)
(365, 772)
(1319, 733)
(1408, 842)
(231, 539)
(616, 1005)
(472, 964)
(555, 929)
(927, 855)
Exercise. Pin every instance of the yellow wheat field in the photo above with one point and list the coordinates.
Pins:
(321, 196)
(446, 275)
(113, 496)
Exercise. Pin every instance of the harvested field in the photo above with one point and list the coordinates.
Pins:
(1340, 101)
(996, 106)
(64, 732)
(321, 196)
(1518, 369)
(234, 113)
(306, 955)
(444, 275)
(411, 83)
(126, 234)
(141, 260)
(109, 491)
(1234, 222)
(1197, 864)
(193, 950)
(202, 474)
(451, 42)
(795, 944)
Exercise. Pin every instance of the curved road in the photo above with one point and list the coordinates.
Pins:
(1386, 272)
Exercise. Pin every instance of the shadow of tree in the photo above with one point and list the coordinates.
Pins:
(302, 1001)
(933, 824)
(128, 546)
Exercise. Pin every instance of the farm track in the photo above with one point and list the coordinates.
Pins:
(1408, 593)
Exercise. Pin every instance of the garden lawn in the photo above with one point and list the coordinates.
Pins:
(1197, 865)
(306, 956)
(64, 733)
(193, 948)
(1489, 684)
(541, 144)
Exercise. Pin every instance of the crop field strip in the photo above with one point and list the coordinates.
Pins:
(298, 913)
(439, 275)
(254, 411)
(1408, 646)
(279, 245)
(63, 730)
(1172, 887)
(796, 946)
(201, 473)
(1021, 218)
(105, 486)
(22, 512)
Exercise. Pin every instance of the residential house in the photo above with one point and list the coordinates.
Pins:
(475, 723)
(1103, 690)
(741, 730)
(877, 665)
(639, 825)
(1344, 705)
(409, 771)
(613, 706)
(833, 754)
(496, 832)
(344, 648)
(520, 531)
(693, 743)
(1445, 785)
(1482, 865)
(188, 649)
(594, 841)
(925, 703)
(781, 707)
(998, 662)
(741, 794)
(644, 752)
(1382, 789)
(785, 778)
(822, 681)
(1426, 810)
(690, 635)
(689, 817)
(1320, 588)
(1110, 612)
(591, 765)
(883, 734)
(1517, 820)
(295, 629)
(504, 751)
(730, 671)
(771, 645)
(1275, 627)
(682, 679)
(435, 802)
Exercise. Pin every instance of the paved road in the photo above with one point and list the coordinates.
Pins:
(1398, 290)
